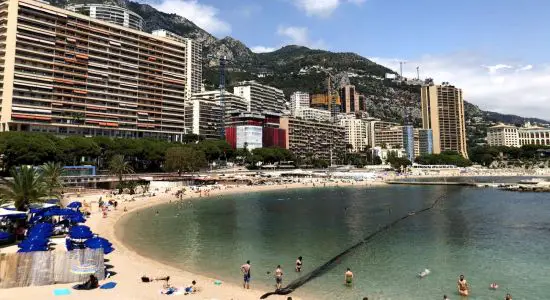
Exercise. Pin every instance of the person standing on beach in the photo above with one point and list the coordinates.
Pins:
(245, 269)
(348, 276)
(279, 277)
(299, 264)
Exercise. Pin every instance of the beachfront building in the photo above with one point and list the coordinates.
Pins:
(203, 117)
(260, 98)
(67, 73)
(534, 135)
(306, 138)
(355, 132)
(253, 130)
(503, 135)
(298, 100)
(384, 153)
(373, 128)
(109, 13)
(314, 114)
(443, 112)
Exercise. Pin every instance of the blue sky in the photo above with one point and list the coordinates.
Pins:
(496, 50)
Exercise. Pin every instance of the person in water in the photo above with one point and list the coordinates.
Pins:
(246, 274)
(462, 286)
(348, 277)
(299, 264)
(508, 297)
(279, 277)
(445, 297)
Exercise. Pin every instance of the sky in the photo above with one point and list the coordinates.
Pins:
(497, 51)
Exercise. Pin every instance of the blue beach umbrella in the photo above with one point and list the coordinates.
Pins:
(99, 243)
(33, 248)
(33, 243)
(60, 212)
(75, 205)
(76, 219)
(80, 232)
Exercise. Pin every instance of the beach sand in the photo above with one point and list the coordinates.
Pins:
(130, 266)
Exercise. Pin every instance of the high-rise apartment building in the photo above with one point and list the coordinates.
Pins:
(203, 117)
(425, 142)
(67, 73)
(355, 132)
(326, 102)
(261, 98)
(443, 112)
(313, 114)
(323, 140)
(109, 13)
(349, 99)
(373, 128)
(193, 60)
(233, 104)
(298, 100)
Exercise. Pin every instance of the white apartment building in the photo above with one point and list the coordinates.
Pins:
(298, 100)
(503, 135)
(356, 133)
(260, 98)
(314, 114)
(232, 103)
(203, 117)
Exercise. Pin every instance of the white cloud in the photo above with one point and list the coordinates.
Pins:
(299, 36)
(509, 87)
(262, 49)
(322, 8)
(205, 16)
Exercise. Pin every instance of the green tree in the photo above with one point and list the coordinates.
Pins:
(398, 163)
(118, 167)
(377, 160)
(26, 187)
(51, 175)
(23, 148)
(184, 159)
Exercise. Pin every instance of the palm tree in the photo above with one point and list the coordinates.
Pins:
(51, 173)
(26, 187)
(118, 166)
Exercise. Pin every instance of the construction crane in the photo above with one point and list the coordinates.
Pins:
(223, 60)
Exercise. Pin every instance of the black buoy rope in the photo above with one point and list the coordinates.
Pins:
(291, 287)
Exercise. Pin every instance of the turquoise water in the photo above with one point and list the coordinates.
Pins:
(486, 234)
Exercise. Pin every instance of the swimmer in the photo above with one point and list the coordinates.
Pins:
(157, 213)
(299, 264)
(348, 277)
(462, 286)
(508, 297)
(493, 286)
(445, 297)
(279, 277)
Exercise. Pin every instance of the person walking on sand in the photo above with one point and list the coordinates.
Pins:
(462, 286)
(299, 264)
(348, 277)
(279, 277)
(245, 269)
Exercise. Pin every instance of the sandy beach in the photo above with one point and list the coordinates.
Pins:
(130, 266)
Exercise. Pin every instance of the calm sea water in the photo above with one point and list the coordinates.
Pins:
(486, 234)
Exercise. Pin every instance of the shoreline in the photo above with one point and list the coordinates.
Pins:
(131, 265)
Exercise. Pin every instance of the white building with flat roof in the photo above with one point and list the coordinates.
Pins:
(356, 133)
(503, 135)
(261, 98)
(314, 114)
(298, 100)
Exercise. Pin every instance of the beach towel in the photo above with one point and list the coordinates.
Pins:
(61, 292)
(108, 285)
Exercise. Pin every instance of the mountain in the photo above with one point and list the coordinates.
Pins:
(293, 68)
